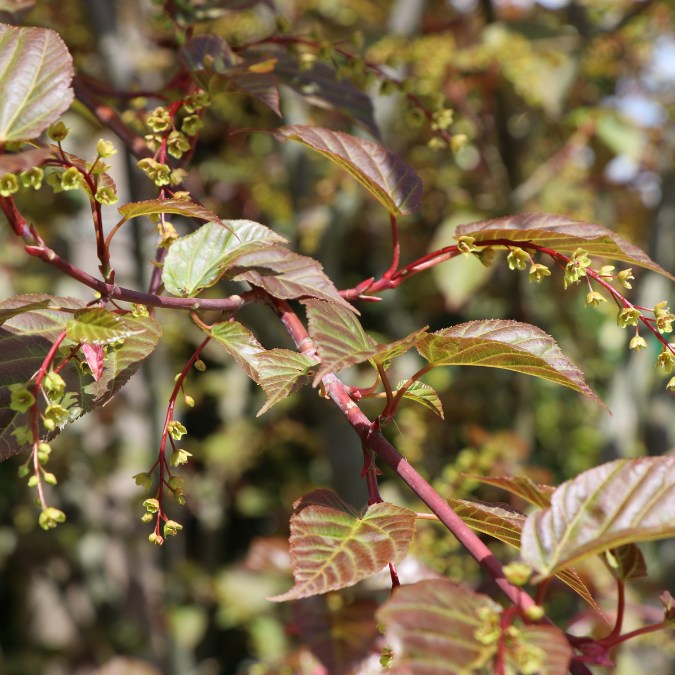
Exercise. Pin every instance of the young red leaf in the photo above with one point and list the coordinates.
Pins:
(627, 562)
(333, 546)
(438, 627)
(561, 234)
(510, 345)
(35, 81)
(626, 501)
(387, 177)
(93, 354)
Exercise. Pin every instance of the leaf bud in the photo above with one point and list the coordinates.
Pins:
(58, 131)
(517, 573)
(9, 184)
(189, 401)
(517, 259)
(200, 365)
(638, 343)
(33, 481)
(50, 478)
(624, 276)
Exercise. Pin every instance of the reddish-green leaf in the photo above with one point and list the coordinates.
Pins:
(339, 636)
(286, 275)
(36, 71)
(342, 342)
(240, 344)
(510, 345)
(561, 234)
(321, 86)
(539, 649)
(22, 161)
(627, 562)
(180, 207)
(506, 524)
(625, 501)
(387, 177)
(334, 547)
(98, 326)
(19, 305)
(25, 341)
(434, 627)
(198, 260)
(424, 395)
(521, 486)
(282, 372)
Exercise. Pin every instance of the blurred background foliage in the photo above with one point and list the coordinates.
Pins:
(557, 106)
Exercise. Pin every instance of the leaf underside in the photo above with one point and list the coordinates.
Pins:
(387, 177)
(333, 547)
(510, 345)
(36, 71)
(561, 234)
(622, 502)
(432, 627)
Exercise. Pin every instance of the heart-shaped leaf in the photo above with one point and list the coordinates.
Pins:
(334, 547)
(387, 177)
(36, 71)
(521, 486)
(342, 342)
(510, 345)
(506, 524)
(282, 372)
(626, 501)
(286, 275)
(561, 234)
(434, 627)
(240, 344)
(98, 326)
(539, 649)
(198, 260)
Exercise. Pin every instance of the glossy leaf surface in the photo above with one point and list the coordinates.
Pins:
(561, 234)
(510, 345)
(626, 501)
(240, 344)
(97, 326)
(36, 71)
(424, 395)
(282, 372)
(198, 260)
(333, 546)
(387, 177)
(432, 626)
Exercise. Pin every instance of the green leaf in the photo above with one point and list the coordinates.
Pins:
(240, 344)
(521, 486)
(544, 650)
(179, 207)
(387, 177)
(282, 372)
(25, 304)
(433, 627)
(198, 260)
(627, 562)
(510, 345)
(333, 547)
(98, 326)
(36, 71)
(425, 395)
(504, 523)
(561, 234)
(342, 342)
(321, 87)
(286, 275)
(25, 341)
(622, 502)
